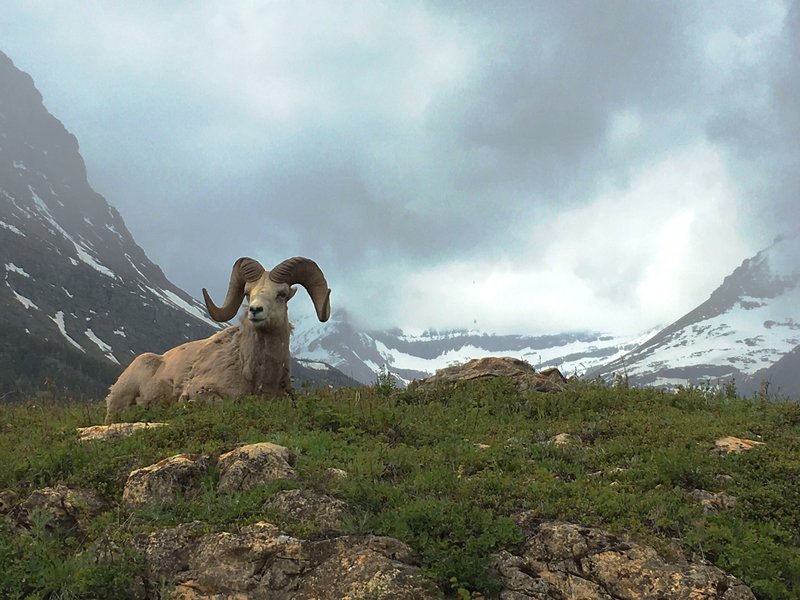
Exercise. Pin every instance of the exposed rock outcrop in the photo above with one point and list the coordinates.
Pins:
(562, 560)
(525, 376)
(258, 562)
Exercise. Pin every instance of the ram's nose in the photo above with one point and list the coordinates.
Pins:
(254, 310)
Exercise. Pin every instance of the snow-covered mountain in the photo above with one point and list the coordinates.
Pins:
(78, 297)
(748, 329)
(362, 354)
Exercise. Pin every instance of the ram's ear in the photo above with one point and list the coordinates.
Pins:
(292, 292)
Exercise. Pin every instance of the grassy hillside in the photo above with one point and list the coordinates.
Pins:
(442, 470)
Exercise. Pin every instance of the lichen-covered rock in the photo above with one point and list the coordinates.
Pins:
(734, 445)
(562, 560)
(524, 375)
(248, 466)
(162, 482)
(334, 473)
(259, 563)
(68, 509)
(713, 501)
(564, 439)
(114, 431)
(374, 567)
(166, 553)
(320, 510)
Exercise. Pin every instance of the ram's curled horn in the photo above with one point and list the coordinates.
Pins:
(308, 274)
(245, 269)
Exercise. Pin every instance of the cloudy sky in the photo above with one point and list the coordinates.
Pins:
(524, 167)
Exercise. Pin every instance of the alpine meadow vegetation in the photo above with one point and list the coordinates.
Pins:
(443, 469)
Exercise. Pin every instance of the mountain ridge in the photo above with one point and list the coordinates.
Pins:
(80, 297)
(741, 332)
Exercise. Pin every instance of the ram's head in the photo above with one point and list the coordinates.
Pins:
(268, 292)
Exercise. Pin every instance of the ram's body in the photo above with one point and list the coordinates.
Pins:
(251, 358)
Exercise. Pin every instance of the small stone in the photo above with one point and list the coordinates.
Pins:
(114, 431)
(332, 473)
(713, 502)
(563, 439)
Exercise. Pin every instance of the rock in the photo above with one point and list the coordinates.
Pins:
(319, 510)
(562, 560)
(366, 568)
(526, 377)
(163, 481)
(252, 465)
(8, 499)
(332, 473)
(259, 563)
(69, 509)
(115, 431)
(564, 439)
(166, 553)
(713, 502)
(733, 445)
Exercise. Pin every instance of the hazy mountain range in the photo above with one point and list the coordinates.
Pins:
(748, 329)
(80, 298)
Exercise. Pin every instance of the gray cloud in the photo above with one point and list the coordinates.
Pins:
(387, 139)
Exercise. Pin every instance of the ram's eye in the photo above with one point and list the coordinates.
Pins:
(282, 296)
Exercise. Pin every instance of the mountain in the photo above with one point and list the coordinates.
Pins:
(78, 298)
(748, 329)
(363, 354)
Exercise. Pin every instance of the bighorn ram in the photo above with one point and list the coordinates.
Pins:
(250, 358)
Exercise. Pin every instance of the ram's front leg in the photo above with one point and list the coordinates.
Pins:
(205, 394)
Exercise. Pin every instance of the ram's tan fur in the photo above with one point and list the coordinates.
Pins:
(251, 358)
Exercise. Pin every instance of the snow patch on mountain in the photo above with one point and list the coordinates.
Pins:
(58, 319)
(105, 348)
(28, 304)
(11, 228)
(11, 267)
(748, 324)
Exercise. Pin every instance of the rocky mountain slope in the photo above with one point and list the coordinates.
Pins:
(363, 354)
(748, 329)
(79, 297)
